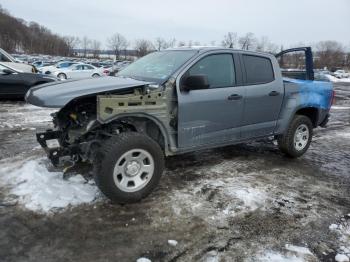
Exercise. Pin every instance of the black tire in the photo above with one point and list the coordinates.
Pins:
(286, 141)
(95, 75)
(107, 157)
(62, 76)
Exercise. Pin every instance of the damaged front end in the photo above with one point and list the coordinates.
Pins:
(84, 124)
(73, 134)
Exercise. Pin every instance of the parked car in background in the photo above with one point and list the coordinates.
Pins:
(78, 71)
(118, 66)
(39, 64)
(322, 75)
(15, 83)
(7, 59)
(57, 66)
(341, 74)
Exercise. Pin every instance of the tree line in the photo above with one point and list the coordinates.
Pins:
(16, 35)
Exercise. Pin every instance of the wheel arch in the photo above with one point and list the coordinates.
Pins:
(311, 112)
(148, 124)
(287, 116)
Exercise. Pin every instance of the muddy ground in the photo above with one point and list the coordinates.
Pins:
(238, 203)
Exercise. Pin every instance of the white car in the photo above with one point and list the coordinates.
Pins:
(341, 74)
(8, 60)
(79, 71)
(58, 66)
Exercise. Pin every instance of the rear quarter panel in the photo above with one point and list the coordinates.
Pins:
(304, 94)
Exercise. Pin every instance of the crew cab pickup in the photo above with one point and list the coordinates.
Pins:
(176, 101)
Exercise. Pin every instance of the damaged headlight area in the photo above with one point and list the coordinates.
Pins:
(73, 130)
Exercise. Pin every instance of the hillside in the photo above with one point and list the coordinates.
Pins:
(29, 37)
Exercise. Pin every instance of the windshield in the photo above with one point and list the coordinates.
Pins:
(157, 66)
(6, 57)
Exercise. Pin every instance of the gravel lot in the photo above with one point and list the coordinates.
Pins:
(238, 203)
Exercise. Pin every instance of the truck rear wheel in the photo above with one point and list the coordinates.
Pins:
(297, 138)
(128, 167)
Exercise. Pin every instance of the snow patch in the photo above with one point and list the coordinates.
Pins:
(277, 257)
(291, 253)
(343, 231)
(24, 115)
(341, 258)
(337, 80)
(43, 191)
(340, 107)
(211, 256)
(252, 198)
(172, 242)
(143, 259)
(299, 250)
(333, 227)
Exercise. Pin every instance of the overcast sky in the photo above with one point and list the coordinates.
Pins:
(284, 22)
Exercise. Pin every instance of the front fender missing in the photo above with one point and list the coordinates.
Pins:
(152, 106)
(111, 106)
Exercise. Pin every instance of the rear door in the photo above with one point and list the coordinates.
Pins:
(88, 70)
(264, 95)
(213, 115)
(77, 72)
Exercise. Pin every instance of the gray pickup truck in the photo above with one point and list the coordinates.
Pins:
(176, 101)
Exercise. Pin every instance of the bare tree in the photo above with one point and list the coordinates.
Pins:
(117, 43)
(160, 43)
(143, 47)
(265, 45)
(181, 43)
(18, 35)
(347, 60)
(230, 40)
(96, 48)
(330, 54)
(171, 43)
(72, 43)
(247, 42)
(85, 45)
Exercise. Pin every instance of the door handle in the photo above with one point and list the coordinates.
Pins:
(234, 97)
(274, 93)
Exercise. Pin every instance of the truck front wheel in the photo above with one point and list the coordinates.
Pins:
(297, 138)
(128, 167)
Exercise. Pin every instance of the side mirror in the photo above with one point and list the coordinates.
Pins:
(195, 82)
(7, 71)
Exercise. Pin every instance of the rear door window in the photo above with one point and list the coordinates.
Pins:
(259, 69)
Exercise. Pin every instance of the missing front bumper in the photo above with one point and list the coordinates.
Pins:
(53, 153)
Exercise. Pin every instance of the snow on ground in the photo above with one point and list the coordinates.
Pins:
(39, 190)
(143, 259)
(342, 229)
(340, 107)
(229, 196)
(18, 116)
(338, 80)
(277, 257)
(291, 253)
(172, 242)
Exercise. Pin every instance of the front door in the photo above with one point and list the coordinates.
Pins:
(213, 115)
(11, 84)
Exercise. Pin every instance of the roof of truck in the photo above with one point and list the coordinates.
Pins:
(212, 48)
